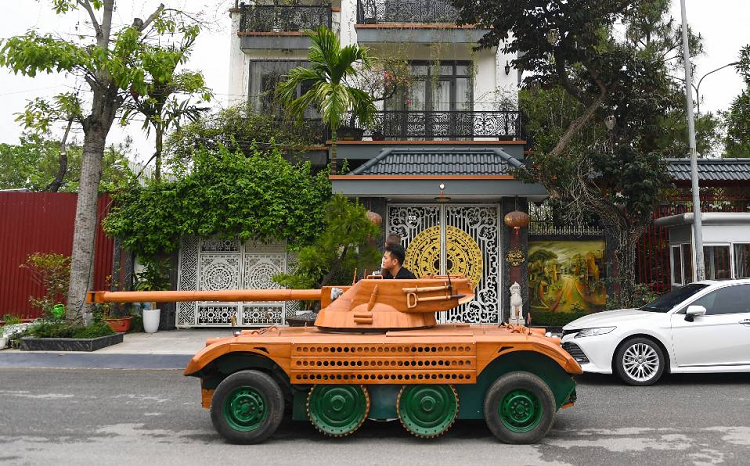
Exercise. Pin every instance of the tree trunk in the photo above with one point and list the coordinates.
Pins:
(96, 128)
(55, 185)
(334, 140)
(625, 254)
(82, 260)
(157, 155)
(334, 267)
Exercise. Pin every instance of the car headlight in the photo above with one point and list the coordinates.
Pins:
(593, 332)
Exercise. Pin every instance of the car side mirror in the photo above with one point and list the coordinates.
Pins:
(694, 311)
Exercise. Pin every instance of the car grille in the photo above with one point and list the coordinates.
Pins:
(576, 352)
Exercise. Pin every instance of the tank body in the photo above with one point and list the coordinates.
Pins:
(376, 352)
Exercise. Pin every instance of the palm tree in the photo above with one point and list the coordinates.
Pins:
(328, 91)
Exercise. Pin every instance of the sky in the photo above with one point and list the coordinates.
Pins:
(722, 24)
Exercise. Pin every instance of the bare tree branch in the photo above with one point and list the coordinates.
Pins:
(580, 122)
(87, 6)
(152, 17)
(106, 27)
(562, 74)
(55, 185)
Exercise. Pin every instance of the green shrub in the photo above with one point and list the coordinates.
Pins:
(56, 329)
(136, 324)
(95, 330)
(11, 319)
(51, 271)
(554, 319)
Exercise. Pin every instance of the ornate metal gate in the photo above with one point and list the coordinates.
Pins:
(456, 239)
(225, 264)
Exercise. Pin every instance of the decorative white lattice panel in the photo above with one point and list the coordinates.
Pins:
(481, 224)
(223, 264)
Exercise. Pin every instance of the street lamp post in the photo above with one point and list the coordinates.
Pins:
(700, 269)
(698, 87)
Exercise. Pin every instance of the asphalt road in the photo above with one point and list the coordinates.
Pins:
(102, 417)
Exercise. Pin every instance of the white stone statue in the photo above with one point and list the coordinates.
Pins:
(516, 305)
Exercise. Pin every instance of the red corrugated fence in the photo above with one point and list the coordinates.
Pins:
(41, 222)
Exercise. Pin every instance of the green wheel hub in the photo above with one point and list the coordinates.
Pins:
(338, 410)
(245, 409)
(427, 410)
(520, 410)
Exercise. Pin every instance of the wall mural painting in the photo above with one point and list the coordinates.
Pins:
(567, 276)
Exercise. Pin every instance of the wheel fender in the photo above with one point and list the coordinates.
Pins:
(557, 379)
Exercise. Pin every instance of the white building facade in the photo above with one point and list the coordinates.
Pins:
(457, 125)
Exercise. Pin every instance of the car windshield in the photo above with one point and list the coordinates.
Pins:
(673, 298)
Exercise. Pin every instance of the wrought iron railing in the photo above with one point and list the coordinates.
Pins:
(405, 11)
(459, 124)
(281, 18)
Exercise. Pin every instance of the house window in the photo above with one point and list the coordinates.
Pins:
(265, 76)
(442, 86)
(682, 264)
(742, 260)
(716, 260)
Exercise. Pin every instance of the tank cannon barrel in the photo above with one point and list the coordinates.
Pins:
(222, 296)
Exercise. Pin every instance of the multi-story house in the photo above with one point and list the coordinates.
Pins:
(435, 163)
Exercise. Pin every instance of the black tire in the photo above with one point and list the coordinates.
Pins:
(644, 371)
(247, 407)
(519, 390)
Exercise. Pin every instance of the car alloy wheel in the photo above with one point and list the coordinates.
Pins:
(640, 361)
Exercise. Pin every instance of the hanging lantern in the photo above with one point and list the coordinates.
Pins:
(374, 217)
(517, 219)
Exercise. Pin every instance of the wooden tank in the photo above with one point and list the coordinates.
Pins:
(377, 352)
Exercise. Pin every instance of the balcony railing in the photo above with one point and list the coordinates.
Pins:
(405, 11)
(451, 125)
(283, 18)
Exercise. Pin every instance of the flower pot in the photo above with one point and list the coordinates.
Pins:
(348, 133)
(3, 342)
(119, 325)
(378, 136)
(151, 319)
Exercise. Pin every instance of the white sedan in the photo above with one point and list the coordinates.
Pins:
(700, 328)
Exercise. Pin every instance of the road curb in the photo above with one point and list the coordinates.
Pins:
(93, 361)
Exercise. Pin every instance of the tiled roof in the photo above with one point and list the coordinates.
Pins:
(711, 169)
(445, 161)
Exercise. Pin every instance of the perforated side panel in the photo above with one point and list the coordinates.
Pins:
(384, 363)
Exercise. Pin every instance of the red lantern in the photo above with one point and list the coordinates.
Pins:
(517, 219)
(374, 217)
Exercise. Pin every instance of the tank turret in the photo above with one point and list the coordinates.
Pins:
(370, 305)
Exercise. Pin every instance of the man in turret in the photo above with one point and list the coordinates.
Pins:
(393, 239)
(393, 260)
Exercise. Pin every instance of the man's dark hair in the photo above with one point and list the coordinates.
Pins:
(397, 252)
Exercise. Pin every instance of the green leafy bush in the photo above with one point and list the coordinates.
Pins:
(52, 272)
(155, 275)
(345, 244)
(58, 329)
(229, 193)
(11, 320)
(554, 319)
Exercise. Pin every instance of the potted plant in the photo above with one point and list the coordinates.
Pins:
(377, 135)
(154, 277)
(119, 324)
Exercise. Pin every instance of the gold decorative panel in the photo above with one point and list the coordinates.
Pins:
(463, 256)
